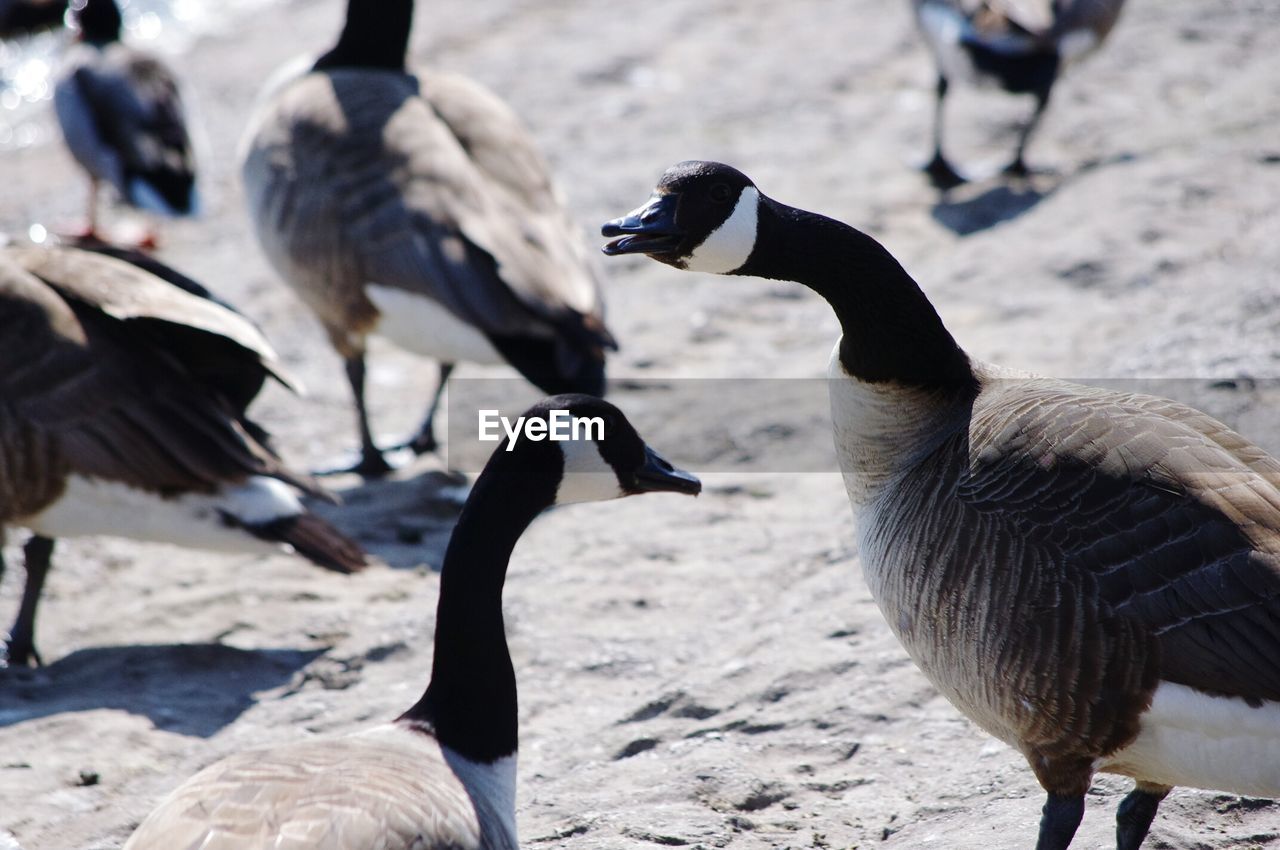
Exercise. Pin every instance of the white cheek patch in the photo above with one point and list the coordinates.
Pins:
(729, 246)
(587, 477)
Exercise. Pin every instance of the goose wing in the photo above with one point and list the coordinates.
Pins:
(214, 341)
(123, 119)
(1165, 515)
(361, 792)
(503, 150)
(499, 255)
(355, 176)
(97, 395)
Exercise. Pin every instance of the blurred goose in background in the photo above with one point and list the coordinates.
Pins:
(20, 17)
(1019, 45)
(123, 119)
(1093, 577)
(418, 208)
(442, 775)
(122, 413)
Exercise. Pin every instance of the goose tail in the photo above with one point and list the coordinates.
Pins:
(170, 193)
(268, 508)
(314, 539)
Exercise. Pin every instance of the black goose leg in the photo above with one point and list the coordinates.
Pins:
(1135, 814)
(940, 172)
(1059, 820)
(425, 441)
(21, 648)
(1018, 168)
(372, 464)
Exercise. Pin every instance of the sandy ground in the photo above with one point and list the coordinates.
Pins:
(709, 673)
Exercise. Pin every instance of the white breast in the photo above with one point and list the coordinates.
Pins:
(493, 788)
(878, 429)
(1196, 740)
(92, 506)
(423, 326)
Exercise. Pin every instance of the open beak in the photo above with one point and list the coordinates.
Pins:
(659, 476)
(651, 229)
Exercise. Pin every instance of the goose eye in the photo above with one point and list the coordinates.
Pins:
(720, 193)
(610, 425)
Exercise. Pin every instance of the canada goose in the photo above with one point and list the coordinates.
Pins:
(1020, 45)
(122, 412)
(123, 119)
(442, 775)
(419, 208)
(1093, 577)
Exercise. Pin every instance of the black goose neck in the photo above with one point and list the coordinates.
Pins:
(376, 35)
(100, 22)
(890, 330)
(470, 704)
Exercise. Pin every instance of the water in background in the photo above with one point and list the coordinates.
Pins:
(29, 64)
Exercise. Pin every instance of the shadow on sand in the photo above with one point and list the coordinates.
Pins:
(980, 205)
(404, 520)
(191, 689)
(963, 213)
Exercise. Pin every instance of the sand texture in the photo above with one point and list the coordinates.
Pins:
(708, 673)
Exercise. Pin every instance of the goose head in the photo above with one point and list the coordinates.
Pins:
(702, 216)
(585, 447)
(99, 21)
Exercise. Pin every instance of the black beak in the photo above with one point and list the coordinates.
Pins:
(659, 476)
(651, 229)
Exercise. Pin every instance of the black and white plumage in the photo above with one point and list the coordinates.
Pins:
(442, 776)
(1021, 46)
(123, 119)
(1092, 576)
(417, 207)
(122, 413)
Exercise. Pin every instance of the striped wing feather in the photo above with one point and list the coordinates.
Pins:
(125, 290)
(106, 403)
(1170, 515)
(503, 150)
(388, 789)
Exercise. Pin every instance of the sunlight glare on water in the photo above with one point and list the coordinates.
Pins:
(29, 64)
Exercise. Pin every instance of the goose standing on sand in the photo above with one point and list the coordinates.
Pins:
(122, 412)
(123, 119)
(1091, 576)
(418, 207)
(1019, 45)
(442, 775)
